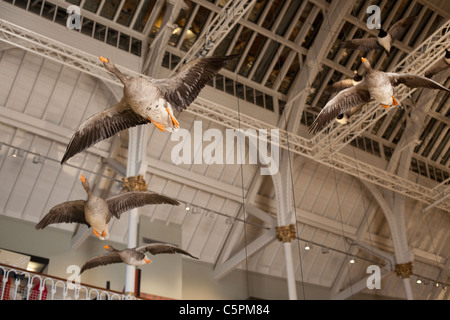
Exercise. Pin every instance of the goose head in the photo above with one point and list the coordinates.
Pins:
(366, 63)
(110, 248)
(342, 118)
(111, 67)
(85, 184)
(382, 33)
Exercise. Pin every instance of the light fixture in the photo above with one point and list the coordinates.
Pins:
(307, 246)
(17, 153)
(37, 159)
(352, 260)
(187, 207)
(418, 281)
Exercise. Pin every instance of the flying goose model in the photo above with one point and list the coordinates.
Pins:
(132, 256)
(96, 212)
(146, 100)
(376, 85)
(384, 40)
(439, 66)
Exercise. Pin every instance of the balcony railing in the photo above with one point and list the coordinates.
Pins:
(20, 284)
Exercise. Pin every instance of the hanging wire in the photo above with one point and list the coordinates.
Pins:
(289, 154)
(400, 164)
(358, 175)
(242, 179)
(354, 155)
(346, 250)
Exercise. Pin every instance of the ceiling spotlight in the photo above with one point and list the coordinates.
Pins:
(17, 153)
(307, 246)
(418, 281)
(352, 260)
(37, 159)
(188, 208)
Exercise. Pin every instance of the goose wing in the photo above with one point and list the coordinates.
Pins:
(436, 68)
(342, 102)
(365, 44)
(67, 212)
(158, 248)
(339, 85)
(184, 87)
(400, 26)
(414, 81)
(354, 110)
(134, 199)
(101, 126)
(102, 260)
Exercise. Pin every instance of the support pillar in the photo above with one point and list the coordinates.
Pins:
(404, 270)
(285, 234)
(133, 182)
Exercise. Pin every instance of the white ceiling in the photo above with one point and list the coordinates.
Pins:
(342, 214)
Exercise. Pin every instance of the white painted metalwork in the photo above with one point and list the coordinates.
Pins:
(219, 27)
(322, 148)
(417, 62)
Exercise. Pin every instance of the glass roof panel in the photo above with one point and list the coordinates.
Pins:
(127, 12)
(195, 28)
(91, 5)
(109, 8)
(144, 15)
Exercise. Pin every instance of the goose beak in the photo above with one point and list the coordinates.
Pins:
(83, 179)
(363, 59)
(106, 247)
(104, 60)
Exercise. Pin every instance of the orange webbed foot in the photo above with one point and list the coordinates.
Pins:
(104, 231)
(97, 234)
(395, 102)
(159, 126)
(174, 121)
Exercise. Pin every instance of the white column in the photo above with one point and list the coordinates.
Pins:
(286, 234)
(408, 289)
(290, 272)
(133, 166)
(130, 272)
(286, 229)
